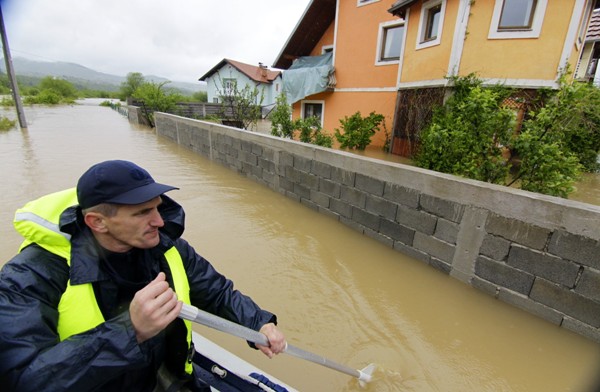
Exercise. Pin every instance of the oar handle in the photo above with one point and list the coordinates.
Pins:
(192, 313)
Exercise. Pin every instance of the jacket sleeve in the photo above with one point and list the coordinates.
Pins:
(32, 357)
(214, 293)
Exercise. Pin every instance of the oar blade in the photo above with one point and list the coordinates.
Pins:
(366, 374)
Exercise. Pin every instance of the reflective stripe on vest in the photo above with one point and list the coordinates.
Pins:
(38, 221)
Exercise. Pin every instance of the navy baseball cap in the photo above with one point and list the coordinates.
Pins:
(117, 182)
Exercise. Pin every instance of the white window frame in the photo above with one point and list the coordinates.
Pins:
(421, 43)
(322, 103)
(360, 3)
(536, 25)
(380, 41)
(326, 49)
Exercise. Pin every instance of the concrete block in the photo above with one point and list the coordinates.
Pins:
(517, 231)
(411, 252)
(319, 198)
(418, 220)
(566, 301)
(302, 191)
(266, 165)
(401, 195)
(387, 241)
(525, 303)
(309, 204)
(496, 248)
(286, 159)
(352, 224)
(369, 184)
(321, 169)
(577, 248)
(582, 329)
(303, 164)
(589, 284)
(341, 207)
(256, 149)
(434, 247)
(330, 188)
(485, 286)
(397, 231)
(382, 207)
(503, 275)
(444, 208)
(342, 176)
(353, 196)
(541, 264)
(446, 231)
(365, 218)
(307, 180)
(440, 265)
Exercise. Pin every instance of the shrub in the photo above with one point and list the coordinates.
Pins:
(358, 130)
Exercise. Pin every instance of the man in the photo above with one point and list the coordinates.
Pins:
(91, 300)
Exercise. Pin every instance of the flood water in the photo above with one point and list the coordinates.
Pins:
(336, 293)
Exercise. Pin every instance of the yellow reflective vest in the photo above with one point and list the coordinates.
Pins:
(38, 222)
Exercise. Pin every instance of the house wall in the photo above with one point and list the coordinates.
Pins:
(536, 252)
(429, 63)
(361, 84)
(356, 47)
(214, 84)
(526, 59)
(326, 40)
(341, 104)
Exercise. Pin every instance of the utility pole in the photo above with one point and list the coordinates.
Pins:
(11, 74)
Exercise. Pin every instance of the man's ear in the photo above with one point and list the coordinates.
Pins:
(95, 221)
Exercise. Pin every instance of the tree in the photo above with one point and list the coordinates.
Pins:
(155, 98)
(241, 107)
(132, 82)
(62, 87)
(281, 118)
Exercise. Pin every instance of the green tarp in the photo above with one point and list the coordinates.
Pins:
(307, 76)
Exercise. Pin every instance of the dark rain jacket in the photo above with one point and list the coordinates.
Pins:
(108, 357)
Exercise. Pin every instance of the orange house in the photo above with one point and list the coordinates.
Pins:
(395, 58)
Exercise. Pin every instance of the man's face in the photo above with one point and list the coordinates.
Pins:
(133, 226)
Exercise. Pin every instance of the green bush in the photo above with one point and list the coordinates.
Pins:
(469, 134)
(473, 136)
(6, 123)
(45, 97)
(281, 118)
(358, 130)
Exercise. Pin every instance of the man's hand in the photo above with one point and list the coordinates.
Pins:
(276, 340)
(153, 308)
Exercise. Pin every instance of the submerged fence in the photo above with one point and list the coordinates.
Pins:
(536, 252)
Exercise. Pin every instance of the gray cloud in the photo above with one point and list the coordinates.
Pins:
(179, 40)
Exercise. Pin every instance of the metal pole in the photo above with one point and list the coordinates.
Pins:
(11, 74)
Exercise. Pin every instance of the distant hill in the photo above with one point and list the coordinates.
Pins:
(85, 77)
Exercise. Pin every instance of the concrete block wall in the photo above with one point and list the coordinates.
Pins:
(536, 252)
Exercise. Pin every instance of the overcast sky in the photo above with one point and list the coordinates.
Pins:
(179, 39)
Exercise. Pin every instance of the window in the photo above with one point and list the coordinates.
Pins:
(517, 15)
(432, 22)
(229, 86)
(365, 2)
(514, 19)
(390, 39)
(313, 109)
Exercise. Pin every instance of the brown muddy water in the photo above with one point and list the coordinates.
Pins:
(336, 293)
